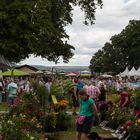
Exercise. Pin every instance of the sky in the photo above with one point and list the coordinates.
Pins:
(110, 20)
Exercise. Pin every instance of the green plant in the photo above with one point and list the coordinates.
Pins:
(13, 128)
(63, 121)
(49, 122)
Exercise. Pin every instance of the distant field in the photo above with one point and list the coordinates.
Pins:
(63, 68)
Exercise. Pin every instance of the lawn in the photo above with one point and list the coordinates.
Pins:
(4, 107)
(70, 135)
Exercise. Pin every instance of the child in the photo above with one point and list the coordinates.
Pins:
(88, 110)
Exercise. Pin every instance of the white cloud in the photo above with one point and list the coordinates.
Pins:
(110, 20)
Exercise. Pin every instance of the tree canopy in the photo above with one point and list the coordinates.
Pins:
(122, 50)
(38, 27)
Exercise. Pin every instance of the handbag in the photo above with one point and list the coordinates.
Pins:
(80, 119)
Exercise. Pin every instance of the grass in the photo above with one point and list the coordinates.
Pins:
(71, 132)
(4, 107)
(70, 135)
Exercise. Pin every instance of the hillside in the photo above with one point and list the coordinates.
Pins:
(63, 68)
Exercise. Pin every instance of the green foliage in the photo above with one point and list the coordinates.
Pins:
(63, 121)
(12, 128)
(57, 90)
(137, 102)
(49, 122)
(118, 115)
(38, 27)
(61, 88)
(42, 94)
(122, 51)
(27, 118)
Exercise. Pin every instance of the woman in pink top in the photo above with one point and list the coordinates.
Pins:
(124, 99)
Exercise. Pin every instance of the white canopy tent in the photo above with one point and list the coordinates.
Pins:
(85, 72)
(125, 72)
(132, 72)
(138, 72)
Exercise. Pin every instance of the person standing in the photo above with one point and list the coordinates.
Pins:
(27, 86)
(1, 89)
(85, 119)
(75, 101)
(48, 85)
(12, 90)
(93, 91)
(80, 84)
(102, 96)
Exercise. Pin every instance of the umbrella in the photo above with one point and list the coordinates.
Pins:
(71, 74)
(39, 72)
(106, 76)
(14, 72)
(85, 72)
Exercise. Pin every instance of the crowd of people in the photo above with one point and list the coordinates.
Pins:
(10, 88)
(88, 95)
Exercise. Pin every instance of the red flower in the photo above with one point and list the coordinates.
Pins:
(26, 120)
(129, 122)
(29, 112)
(27, 127)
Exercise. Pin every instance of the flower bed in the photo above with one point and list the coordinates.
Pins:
(29, 117)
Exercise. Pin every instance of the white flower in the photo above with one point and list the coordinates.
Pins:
(31, 138)
(10, 122)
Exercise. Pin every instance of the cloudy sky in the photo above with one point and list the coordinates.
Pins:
(110, 20)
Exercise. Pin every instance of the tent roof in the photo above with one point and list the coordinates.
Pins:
(27, 66)
(4, 61)
(125, 72)
(132, 72)
(138, 72)
(27, 69)
(14, 72)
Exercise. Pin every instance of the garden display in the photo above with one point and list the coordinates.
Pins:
(31, 117)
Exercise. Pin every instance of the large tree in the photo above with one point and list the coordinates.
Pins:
(123, 50)
(38, 27)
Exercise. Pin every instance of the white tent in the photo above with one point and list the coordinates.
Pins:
(85, 72)
(125, 72)
(138, 72)
(132, 72)
(106, 76)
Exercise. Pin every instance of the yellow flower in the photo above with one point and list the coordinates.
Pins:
(134, 94)
(31, 138)
(39, 125)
